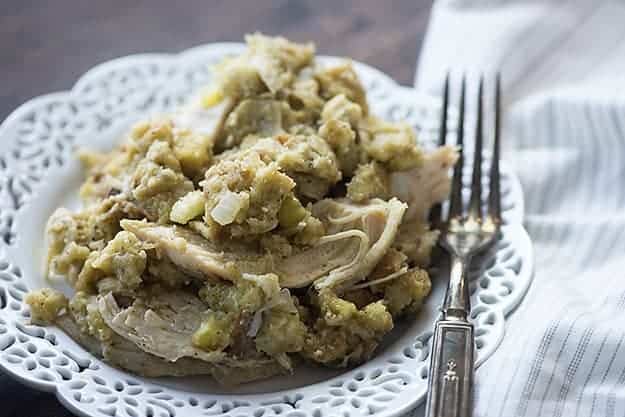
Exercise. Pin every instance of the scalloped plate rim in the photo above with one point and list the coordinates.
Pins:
(206, 49)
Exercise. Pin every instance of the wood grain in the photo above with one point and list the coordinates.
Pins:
(46, 45)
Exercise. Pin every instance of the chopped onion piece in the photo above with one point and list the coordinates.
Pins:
(188, 207)
(228, 208)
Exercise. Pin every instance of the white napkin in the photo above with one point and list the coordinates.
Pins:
(563, 66)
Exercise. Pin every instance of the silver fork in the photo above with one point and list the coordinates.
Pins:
(463, 234)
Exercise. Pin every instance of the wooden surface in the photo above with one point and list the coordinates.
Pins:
(46, 45)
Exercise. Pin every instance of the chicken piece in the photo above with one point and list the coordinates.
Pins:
(209, 229)
(359, 236)
(161, 324)
(426, 185)
(174, 325)
(277, 245)
(204, 259)
(199, 257)
(369, 181)
(342, 79)
(125, 354)
(378, 223)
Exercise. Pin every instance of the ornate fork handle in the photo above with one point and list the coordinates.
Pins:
(464, 234)
(451, 367)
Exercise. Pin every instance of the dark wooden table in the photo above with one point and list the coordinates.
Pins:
(46, 45)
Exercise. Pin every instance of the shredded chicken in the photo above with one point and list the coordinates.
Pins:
(425, 185)
(360, 236)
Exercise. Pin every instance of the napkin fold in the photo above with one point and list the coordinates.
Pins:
(563, 70)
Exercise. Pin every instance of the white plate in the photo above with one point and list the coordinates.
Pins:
(39, 173)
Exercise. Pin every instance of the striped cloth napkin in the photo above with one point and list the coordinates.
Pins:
(563, 66)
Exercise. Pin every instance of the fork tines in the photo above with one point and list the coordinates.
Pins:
(474, 209)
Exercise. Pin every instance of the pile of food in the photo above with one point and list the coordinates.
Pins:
(273, 219)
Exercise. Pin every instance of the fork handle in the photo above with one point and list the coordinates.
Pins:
(451, 370)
